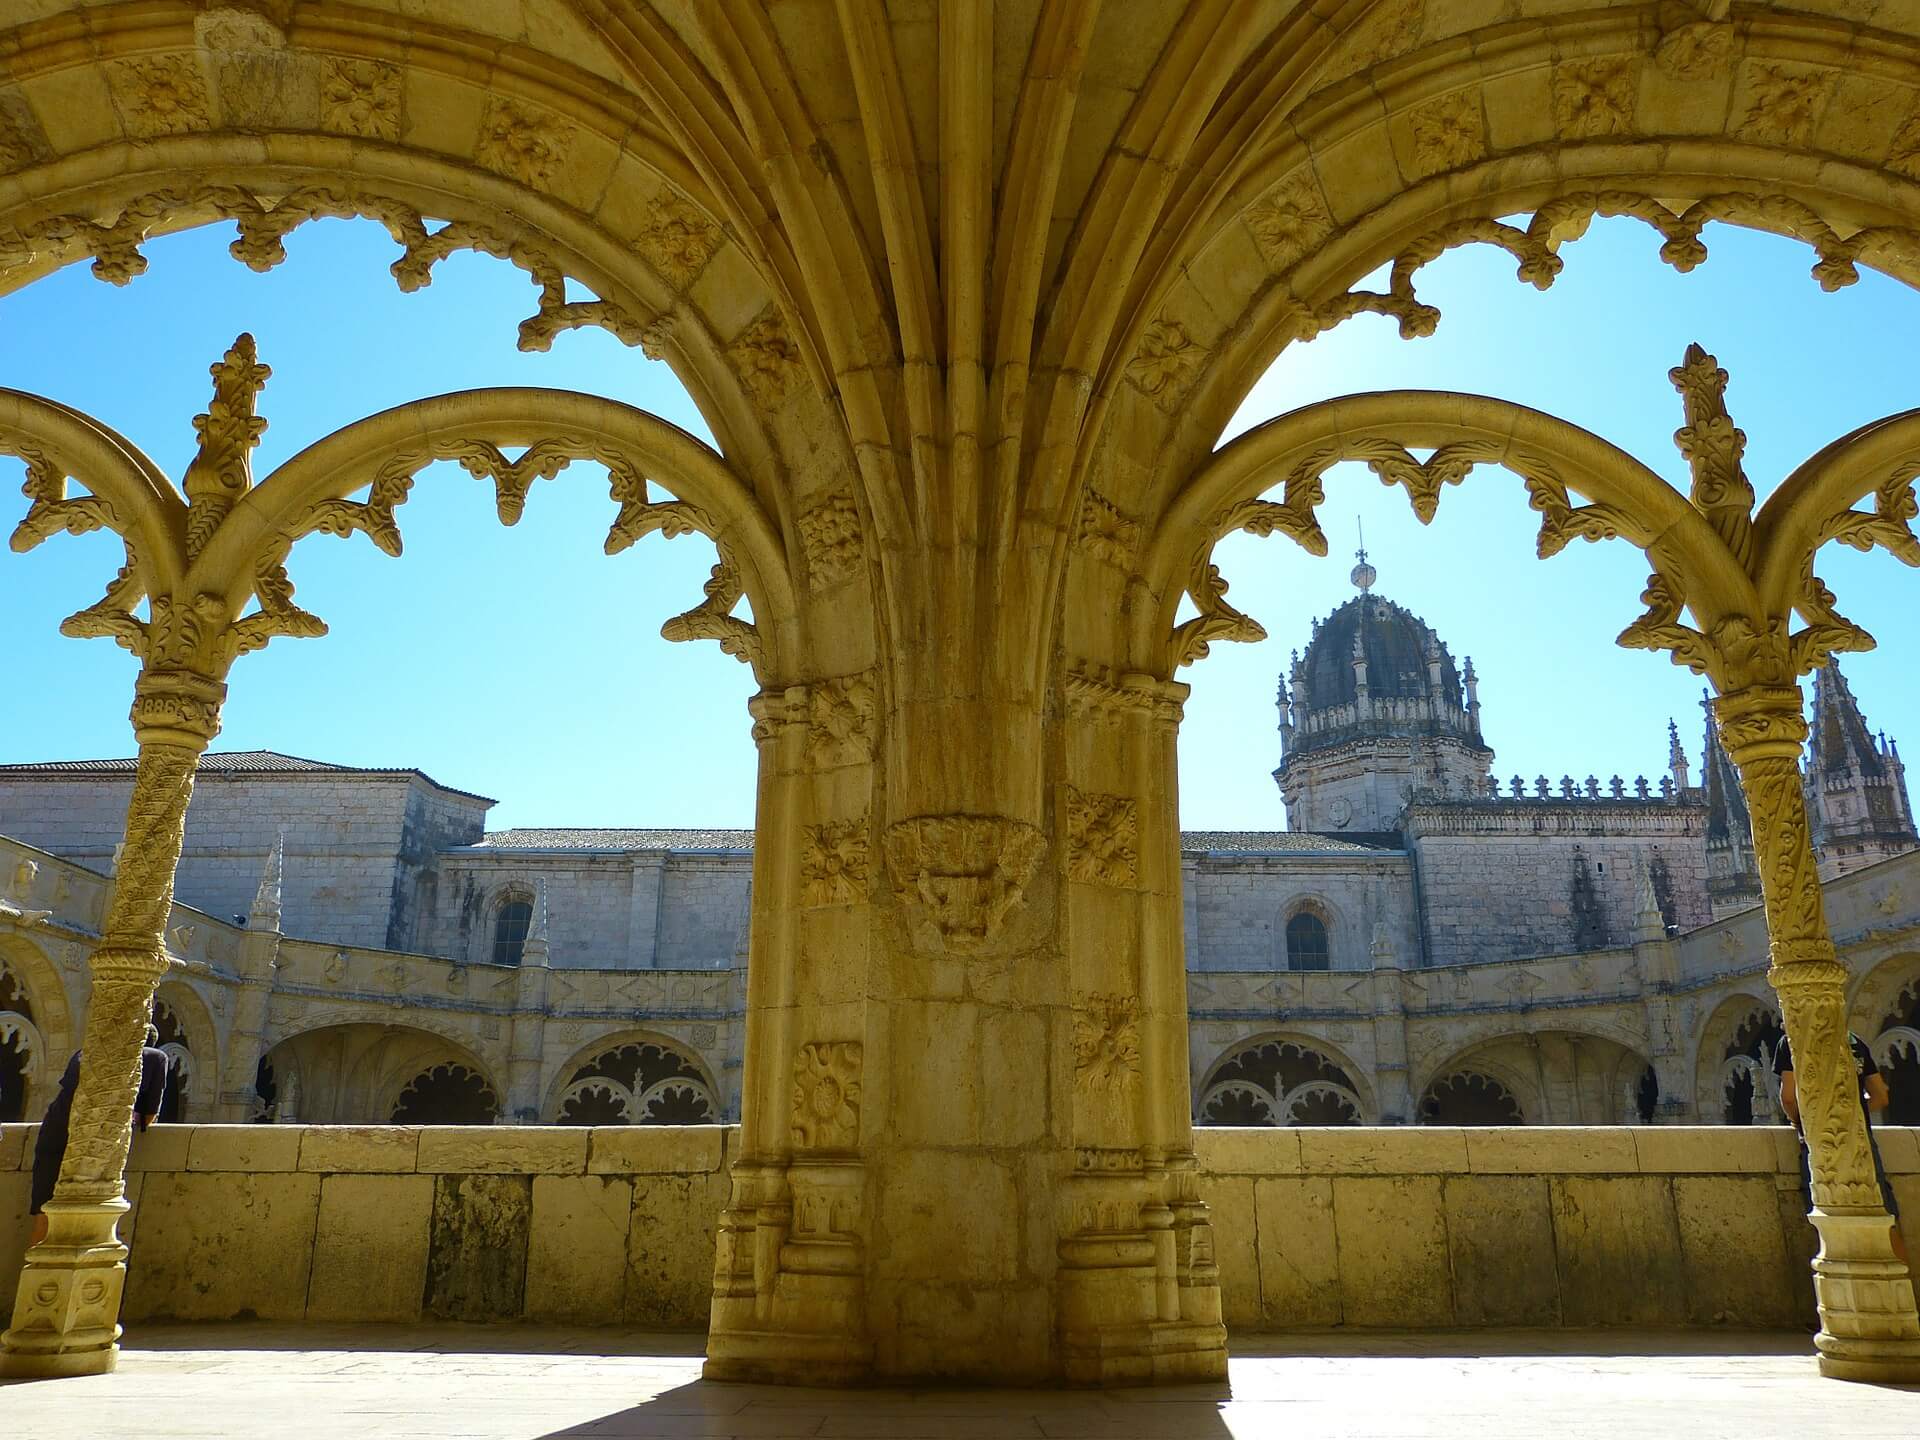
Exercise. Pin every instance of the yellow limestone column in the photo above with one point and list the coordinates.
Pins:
(66, 1311)
(1868, 1329)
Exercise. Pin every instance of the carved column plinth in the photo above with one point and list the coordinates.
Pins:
(1868, 1326)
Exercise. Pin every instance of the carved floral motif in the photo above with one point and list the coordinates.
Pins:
(1166, 360)
(678, 238)
(160, 95)
(1446, 132)
(21, 143)
(1784, 103)
(1594, 96)
(840, 720)
(1106, 1043)
(1106, 532)
(1102, 838)
(523, 143)
(830, 535)
(1292, 218)
(1696, 50)
(359, 97)
(833, 862)
(826, 1095)
(766, 359)
(1903, 155)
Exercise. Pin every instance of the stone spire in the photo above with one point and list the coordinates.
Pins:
(1733, 874)
(1471, 681)
(1677, 758)
(1856, 789)
(537, 949)
(1649, 921)
(266, 900)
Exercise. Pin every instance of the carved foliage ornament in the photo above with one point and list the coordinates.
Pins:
(1106, 1044)
(1103, 834)
(833, 862)
(1536, 247)
(266, 220)
(959, 875)
(826, 1095)
(830, 535)
(160, 95)
(360, 97)
(840, 720)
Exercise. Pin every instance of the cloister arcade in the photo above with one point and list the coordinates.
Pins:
(966, 300)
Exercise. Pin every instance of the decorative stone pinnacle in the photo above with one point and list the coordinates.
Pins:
(536, 949)
(267, 899)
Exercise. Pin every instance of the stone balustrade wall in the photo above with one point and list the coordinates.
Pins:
(1388, 1228)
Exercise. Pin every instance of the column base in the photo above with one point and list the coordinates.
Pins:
(66, 1311)
(1868, 1327)
(786, 1357)
(1169, 1353)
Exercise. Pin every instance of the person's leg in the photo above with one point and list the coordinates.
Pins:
(1887, 1199)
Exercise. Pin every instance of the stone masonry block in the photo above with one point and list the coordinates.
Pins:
(1500, 1244)
(370, 1248)
(1234, 1150)
(477, 1260)
(1397, 1150)
(1392, 1237)
(16, 1150)
(577, 1254)
(1539, 1149)
(16, 1187)
(1619, 1251)
(360, 1149)
(669, 1282)
(1737, 1266)
(1229, 1201)
(1899, 1148)
(654, 1149)
(1297, 1251)
(257, 1149)
(501, 1150)
(164, 1147)
(1704, 1149)
(223, 1246)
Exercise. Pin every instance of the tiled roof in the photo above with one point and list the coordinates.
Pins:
(616, 839)
(1294, 841)
(232, 762)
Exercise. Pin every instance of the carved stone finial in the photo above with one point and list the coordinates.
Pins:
(229, 428)
(266, 900)
(537, 948)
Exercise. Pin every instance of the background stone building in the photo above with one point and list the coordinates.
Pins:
(1423, 943)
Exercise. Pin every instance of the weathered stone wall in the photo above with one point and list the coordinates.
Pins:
(605, 1226)
(357, 845)
(1393, 1228)
(1239, 905)
(1489, 896)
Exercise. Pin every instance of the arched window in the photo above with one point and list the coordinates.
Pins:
(1306, 942)
(446, 1094)
(511, 920)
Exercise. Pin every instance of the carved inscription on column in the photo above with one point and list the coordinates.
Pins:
(826, 1095)
(1102, 838)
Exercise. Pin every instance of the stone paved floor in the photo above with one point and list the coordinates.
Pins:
(343, 1383)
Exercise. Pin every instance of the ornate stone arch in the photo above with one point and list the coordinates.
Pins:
(1287, 209)
(46, 1027)
(1351, 1083)
(636, 1098)
(1713, 1068)
(203, 1046)
(1875, 992)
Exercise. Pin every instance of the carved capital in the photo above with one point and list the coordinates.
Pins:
(958, 876)
(1762, 722)
(777, 712)
(177, 707)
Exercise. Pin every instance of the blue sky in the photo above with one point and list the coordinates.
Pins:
(524, 664)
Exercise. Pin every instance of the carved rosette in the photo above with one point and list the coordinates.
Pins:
(360, 97)
(840, 720)
(958, 876)
(833, 863)
(826, 1095)
(1106, 1044)
(522, 142)
(1103, 833)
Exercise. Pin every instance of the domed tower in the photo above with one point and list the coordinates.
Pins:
(1376, 713)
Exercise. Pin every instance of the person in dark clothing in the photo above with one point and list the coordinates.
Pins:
(50, 1146)
(1873, 1096)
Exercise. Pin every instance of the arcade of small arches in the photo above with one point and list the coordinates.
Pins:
(967, 342)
